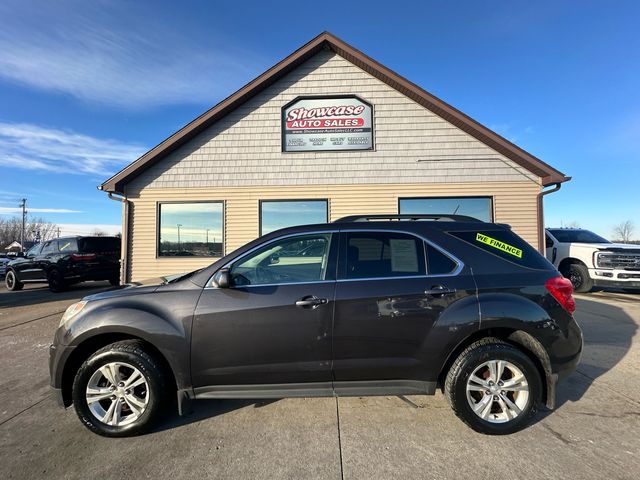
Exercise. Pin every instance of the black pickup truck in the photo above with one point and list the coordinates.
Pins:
(64, 261)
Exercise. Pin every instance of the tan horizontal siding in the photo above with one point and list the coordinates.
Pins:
(514, 203)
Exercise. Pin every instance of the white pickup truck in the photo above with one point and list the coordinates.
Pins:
(589, 260)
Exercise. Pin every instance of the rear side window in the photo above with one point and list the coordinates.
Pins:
(68, 245)
(506, 245)
(438, 263)
(100, 245)
(383, 255)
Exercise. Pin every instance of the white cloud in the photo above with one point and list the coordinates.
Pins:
(114, 53)
(16, 211)
(32, 147)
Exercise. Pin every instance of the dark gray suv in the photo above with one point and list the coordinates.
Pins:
(363, 306)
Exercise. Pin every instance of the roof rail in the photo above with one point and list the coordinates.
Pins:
(436, 217)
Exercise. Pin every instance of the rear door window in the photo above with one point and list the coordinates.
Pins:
(506, 245)
(50, 247)
(383, 255)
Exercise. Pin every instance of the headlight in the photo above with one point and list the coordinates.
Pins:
(72, 311)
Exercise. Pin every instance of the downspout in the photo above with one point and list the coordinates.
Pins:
(124, 256)
(541, 235)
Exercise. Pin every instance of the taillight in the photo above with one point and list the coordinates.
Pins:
(83, 257)
(562, 290)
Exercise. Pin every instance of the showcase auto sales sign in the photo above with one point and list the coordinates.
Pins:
(327, 123)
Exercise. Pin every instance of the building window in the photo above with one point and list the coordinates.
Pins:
(276, 214)
(476, 207)
(190, 229)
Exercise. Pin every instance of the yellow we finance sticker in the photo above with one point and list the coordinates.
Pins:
(505, 247)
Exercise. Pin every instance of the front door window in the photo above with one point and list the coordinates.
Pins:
(299, 259)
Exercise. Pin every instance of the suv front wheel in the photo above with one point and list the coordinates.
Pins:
(11, 281)
(494, 387)
(119, 391)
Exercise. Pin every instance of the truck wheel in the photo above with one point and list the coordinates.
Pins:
(579, 276)
(119, 391)
(11, 281)
(494, 387)
(56, 281)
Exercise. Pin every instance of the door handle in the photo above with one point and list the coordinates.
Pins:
(311, 302)
(440, 291)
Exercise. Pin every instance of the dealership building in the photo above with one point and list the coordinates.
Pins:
(327, 132)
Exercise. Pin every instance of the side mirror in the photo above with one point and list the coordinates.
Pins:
(222, 278)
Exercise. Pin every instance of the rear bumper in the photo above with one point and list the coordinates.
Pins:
(564, 359)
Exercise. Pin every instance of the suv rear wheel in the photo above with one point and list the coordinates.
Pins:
(119, 390)
(494, 387)
(56, 281)
(11, 281)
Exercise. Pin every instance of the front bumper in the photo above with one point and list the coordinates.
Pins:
(615, 278)
(58, 356)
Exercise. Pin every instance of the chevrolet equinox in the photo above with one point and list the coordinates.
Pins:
(374, 305)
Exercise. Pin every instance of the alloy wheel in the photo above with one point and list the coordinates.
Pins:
(576, 279)
(497, 391)
(117, 394)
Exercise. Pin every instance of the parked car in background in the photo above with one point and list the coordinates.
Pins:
(64, 261)
(362, 306)
(589, 260)
(4, 260)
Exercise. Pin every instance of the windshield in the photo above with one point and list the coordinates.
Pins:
(577, 236)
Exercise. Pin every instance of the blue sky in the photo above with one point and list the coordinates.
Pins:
(86, 87)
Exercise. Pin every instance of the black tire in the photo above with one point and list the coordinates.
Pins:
(11, 281)
(56, 281)
(115, 281)
(578, 274)
(455, 387)
(130, 352)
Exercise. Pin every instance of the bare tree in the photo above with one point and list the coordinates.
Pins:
(624, 230)
(572, 224)
(99, 233)
(36, 228)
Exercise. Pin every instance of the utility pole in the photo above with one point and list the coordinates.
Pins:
(179, 225)
(23, 206)
(58, 232)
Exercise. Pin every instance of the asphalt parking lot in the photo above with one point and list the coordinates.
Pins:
(593, 433)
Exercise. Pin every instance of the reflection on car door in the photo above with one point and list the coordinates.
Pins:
(386, 306)
(273, 325)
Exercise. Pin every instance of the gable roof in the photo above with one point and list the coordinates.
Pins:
(326, 40)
